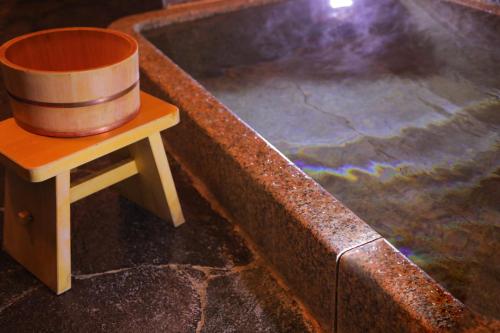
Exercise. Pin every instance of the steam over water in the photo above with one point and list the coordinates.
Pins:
(393, 106)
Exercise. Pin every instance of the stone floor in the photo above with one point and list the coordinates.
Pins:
(132, 271)
(135, 272)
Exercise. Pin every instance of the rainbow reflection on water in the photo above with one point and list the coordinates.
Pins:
(382, 170)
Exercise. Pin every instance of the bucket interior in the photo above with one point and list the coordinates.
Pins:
(69, 50)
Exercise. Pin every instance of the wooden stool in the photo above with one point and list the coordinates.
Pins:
(38, 190)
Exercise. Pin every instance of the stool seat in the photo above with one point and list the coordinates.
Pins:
(37, 158)
(39, 190)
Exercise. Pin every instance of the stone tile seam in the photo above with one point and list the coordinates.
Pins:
(337, 274)
(19, 297)
(207, 270)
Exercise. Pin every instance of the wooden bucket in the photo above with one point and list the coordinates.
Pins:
(72, 82)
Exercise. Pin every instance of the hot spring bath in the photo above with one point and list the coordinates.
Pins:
(392, 106)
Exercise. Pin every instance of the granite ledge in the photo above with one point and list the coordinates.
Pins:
(380, 290)
(488, 6)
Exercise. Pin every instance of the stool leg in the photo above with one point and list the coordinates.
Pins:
(37, 228)
(153, 188)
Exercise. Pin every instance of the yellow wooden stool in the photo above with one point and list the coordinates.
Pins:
(38, 190)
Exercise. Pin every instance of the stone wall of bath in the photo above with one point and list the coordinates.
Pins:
(350, 278)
